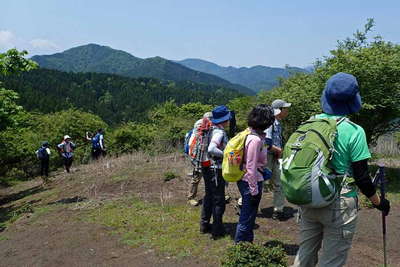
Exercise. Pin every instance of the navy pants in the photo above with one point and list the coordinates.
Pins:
(248, 212)
(44, 167)
(214, 199)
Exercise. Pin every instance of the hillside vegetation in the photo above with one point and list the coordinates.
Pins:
(114, 98)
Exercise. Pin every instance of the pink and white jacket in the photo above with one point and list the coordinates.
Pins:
(255, 157)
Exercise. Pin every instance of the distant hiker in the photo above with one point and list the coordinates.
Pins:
(214, 198)
(251, 183)
(333, 224)
(43, 154)
(98, 148)
(66, 149)
(275, 141)
(203, 124)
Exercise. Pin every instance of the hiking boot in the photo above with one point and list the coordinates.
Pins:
(218, 235)
(278, 215)
(193, 202)
(218, 231)
(205, 228)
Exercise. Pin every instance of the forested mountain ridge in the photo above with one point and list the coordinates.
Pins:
(103, 59)
(256, 77)
(114, 98)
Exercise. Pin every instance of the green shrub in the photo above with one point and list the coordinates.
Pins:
(173, 121)
(246, 254)
(168, 176)
(131, 137)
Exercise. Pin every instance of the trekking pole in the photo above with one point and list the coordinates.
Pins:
(380, 181)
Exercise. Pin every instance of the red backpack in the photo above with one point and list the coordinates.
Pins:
(198, 144)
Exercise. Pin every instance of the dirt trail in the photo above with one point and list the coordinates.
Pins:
(59, 237)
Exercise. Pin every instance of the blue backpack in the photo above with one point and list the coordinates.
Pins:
(42, 153)
(96, 141)
(186, 144)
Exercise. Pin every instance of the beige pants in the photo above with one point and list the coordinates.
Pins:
(332, 228)
(275, 182)
(194, 184)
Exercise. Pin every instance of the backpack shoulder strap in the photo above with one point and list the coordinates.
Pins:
(339, 121)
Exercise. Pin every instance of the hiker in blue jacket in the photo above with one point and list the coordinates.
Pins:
(43, 154)
(98, 148)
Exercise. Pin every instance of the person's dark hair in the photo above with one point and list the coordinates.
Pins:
(261, 117)
(100, 130)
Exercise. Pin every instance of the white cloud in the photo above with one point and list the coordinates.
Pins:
(7, 39)
(43, 44)
(35, 46)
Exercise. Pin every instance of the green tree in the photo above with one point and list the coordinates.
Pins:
(12, 62)
(376, 65)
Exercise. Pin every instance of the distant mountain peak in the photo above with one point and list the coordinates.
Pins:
(256, 77)
(104, 59)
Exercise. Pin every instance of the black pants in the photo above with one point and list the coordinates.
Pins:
(68, 163)
(96, 153)
(44, 167)
(214, 199)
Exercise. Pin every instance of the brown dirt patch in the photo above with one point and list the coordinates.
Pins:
(60, 238)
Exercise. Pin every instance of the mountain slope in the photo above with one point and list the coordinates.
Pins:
(103, 59)
(114, 98)
(257, 77)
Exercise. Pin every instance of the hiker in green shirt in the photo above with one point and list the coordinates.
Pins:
(332, 227)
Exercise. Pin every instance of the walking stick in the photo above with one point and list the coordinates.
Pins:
(379, 180)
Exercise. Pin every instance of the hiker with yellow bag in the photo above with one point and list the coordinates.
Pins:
(243, 161)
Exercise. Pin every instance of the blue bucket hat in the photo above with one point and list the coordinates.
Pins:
(341, 95)
(220, 114)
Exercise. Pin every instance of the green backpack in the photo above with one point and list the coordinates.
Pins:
(307, 179)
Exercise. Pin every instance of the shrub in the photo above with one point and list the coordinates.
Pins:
(173, 121)
(251, 255)
(131, 137)
(168, 176)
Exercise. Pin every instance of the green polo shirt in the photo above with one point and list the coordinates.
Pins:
(350, 145)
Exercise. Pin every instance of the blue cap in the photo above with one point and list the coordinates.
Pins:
(341, 95)
(220, 114)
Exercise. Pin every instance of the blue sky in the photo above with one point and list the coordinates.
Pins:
(235, 32)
